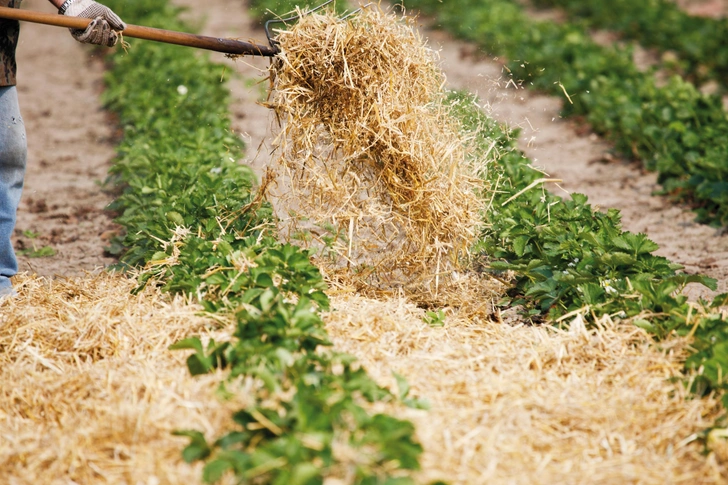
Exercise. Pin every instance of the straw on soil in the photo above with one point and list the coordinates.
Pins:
(89, 392)
(536, 405)
(368, 152)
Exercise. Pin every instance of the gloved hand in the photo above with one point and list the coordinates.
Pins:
(103, 29)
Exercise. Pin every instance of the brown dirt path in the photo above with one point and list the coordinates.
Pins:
(69, 148)
(704, 8)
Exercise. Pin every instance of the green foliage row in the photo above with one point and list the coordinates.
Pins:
(194, 224)
(571, 259)
(698, 42)
(673, 129)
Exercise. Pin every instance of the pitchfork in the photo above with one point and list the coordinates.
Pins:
(218, 44)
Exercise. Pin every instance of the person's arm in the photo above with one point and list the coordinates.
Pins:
(103, 29)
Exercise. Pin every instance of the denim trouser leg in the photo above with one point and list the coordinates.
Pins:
(13, 154)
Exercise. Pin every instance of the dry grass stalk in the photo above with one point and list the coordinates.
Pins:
(89, 393)
(535, 405)
(368, 151)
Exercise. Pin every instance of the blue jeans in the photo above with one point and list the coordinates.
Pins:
(13, 155)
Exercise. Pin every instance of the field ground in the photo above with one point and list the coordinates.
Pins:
(70, 143)
(93, 400)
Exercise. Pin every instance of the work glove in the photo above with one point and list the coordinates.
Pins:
(103, 29)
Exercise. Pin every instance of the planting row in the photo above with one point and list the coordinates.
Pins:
(673, 129)
(195, 225)
(699, 43)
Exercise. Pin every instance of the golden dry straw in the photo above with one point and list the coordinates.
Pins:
(368, 153)
(516, 404)
(89, 392)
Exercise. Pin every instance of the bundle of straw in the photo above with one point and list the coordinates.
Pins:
(368, 151)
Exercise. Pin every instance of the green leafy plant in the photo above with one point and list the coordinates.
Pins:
(435, 319)
(36, 252)
(275, 9)
(695, 46)
(570, 259)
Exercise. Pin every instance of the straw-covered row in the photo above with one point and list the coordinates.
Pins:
(90, 393)
(368, 151)
(521, 404)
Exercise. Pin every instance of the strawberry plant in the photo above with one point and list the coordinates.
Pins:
(270, 9)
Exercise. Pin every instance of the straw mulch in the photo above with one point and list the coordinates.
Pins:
(369, 162)
(535, 405)
(89, 393)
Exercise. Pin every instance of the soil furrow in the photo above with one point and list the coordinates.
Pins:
(70, 145)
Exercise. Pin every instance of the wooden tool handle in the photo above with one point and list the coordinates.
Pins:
(227, 46)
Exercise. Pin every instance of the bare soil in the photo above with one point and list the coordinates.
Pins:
(704, 8)
(71, 141)
(70, 145)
